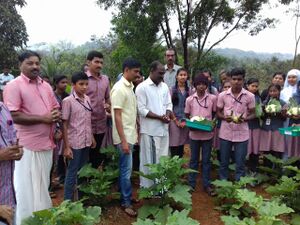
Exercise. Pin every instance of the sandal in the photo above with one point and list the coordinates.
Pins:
(129, 211)
(135, 201)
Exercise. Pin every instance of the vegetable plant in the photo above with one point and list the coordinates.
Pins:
(97, 187)
(168, 186)
(67, 213)
(265, 212)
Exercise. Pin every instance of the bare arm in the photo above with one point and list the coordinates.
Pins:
(67, 149)
(25, 119)
(120, 130)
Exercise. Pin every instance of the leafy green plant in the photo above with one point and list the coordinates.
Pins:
(288, 189)
(67, 213)
(278, 164)
(226, 198)
(168, 185)
(98, 185)
(176, 218)
(266, 212)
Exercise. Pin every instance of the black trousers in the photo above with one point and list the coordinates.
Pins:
(95, 157)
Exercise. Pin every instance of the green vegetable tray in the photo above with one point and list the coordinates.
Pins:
(290, 131)
(198, 125)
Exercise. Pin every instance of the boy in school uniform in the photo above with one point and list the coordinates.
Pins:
(238, 102)
(77, 131)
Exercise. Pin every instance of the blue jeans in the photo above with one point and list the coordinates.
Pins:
(194, 162)
(240, 153)
(125, 166)
(80, 158)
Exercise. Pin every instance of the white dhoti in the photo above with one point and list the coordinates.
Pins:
(151, 149)
(31, 181)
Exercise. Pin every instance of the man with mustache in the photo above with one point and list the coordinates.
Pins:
(98, 91)
(171, 68)
(154, 107)
(34, 110)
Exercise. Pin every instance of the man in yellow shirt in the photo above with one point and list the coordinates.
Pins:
(124, 112)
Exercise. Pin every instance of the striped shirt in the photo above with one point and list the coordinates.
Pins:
(78, 113)
(7, 137)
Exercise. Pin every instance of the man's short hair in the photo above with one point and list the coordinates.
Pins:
(27, 54)
(154, 65)
(78, 76)
(238, 71)
(130, 63)
(94, 54)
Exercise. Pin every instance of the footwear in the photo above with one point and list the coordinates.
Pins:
(135, 201)
(210, 191)
(129, 210)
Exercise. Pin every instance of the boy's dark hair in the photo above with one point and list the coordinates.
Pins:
(130, 63)
(94, 54)
(154, 65)
(27, 54)
(280, 73)
(79, 76)
(238, 72)
(58, 78)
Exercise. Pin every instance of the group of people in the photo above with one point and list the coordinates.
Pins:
(35, 119)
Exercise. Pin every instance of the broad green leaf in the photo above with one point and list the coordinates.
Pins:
(181, 218)
(273, 208)
(181, 194)
(145, 222)
(222, 183)
(148, 210)
(163, 214)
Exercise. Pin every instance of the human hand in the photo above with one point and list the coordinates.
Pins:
(56, 115)
(165, 119)
(13, 152)
(228, 119)
(6, 212)
(107, 107)
(94, 143)
(125, 147)
(58, 135)
(68, 153)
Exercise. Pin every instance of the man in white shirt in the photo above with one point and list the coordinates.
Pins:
(170, 68)
(154, 107)
(5, 77)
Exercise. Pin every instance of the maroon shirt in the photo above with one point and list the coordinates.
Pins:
(98, 91)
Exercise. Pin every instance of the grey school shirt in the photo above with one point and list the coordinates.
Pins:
(170, 75)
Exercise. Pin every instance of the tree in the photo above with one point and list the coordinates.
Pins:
(196, 20)
(13, 35)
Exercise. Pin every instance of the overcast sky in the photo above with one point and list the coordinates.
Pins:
(76, 20)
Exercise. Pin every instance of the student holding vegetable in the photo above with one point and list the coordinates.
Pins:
(274, 117)
(235, 107)
(201, 104)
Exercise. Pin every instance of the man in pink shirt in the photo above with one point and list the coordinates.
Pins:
(98, 92)
(236, 101)
(34, 111)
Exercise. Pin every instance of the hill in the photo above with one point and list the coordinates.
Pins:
(240, 54)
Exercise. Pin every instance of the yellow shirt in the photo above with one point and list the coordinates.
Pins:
(123, 97)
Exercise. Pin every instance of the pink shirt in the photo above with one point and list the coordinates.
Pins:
(98, 91)
(244, 102)
(78, 112)
(204, 107)
(32, 97)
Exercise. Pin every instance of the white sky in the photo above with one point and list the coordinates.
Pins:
(76, 20)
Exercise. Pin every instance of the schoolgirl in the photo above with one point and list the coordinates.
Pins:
(273, 142)
(178, 134)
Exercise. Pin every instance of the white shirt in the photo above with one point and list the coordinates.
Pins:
(5, 78)
(170, 75)
(157, 99)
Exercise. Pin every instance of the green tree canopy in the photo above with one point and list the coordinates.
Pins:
(13, 33)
